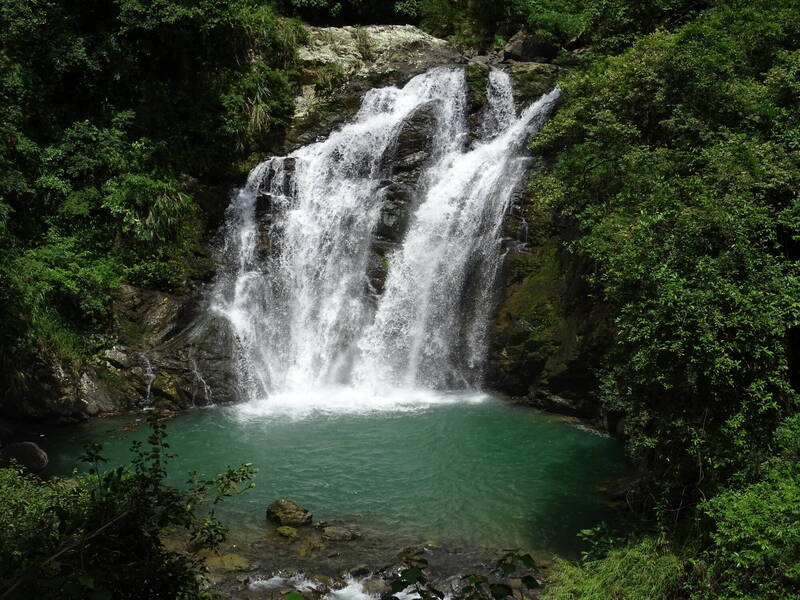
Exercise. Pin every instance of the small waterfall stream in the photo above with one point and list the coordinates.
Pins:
(294, 278)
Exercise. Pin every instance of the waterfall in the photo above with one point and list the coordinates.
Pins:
(294, 278)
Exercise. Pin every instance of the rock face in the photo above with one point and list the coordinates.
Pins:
(286, 513)
(27, 454)
(168, 351)
(339, 64)
(549, 335)
(405, 161)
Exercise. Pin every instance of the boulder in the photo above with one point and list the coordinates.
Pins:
(531, 80)
(376, 588)
(286, 512)
(360, 571)
(27, 454)
(527, 48)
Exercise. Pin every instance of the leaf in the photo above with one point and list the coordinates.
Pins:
(294, 596)
(500, 591)
(398, 585)
(412, 575)
(507, 568)
(528, 561)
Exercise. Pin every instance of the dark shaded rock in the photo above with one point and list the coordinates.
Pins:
(360, 571)
(286, 512)
(415, 140)
(7, 430)
(527, 48)
(27, 454)
(395, 211)
(550, 335)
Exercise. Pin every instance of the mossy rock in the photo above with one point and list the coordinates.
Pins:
(227, 563)
(531, 80)
(549, 334)
(477, 75)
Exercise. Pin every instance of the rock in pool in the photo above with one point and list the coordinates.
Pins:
(286, 512)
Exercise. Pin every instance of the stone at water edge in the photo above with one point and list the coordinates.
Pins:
(28, 454)
(375, 587)
(286, 512)
(360, 571)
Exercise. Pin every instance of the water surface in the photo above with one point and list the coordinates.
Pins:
(461, 468)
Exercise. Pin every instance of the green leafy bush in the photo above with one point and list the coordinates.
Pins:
(755, 551)
(646, 570)
(114, 114)
(101, 534)
(677, 160)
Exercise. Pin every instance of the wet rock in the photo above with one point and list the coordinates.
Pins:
(550, 335)
(27, 454)
(375, 587)
(338, 534)
(528, 48)
(415, 140)
(413, 556)
(359, 571)
(288, 532)
(286, 512)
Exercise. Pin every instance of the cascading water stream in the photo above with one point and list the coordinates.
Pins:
(294, 282)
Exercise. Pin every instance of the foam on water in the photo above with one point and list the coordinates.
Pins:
(300, 404)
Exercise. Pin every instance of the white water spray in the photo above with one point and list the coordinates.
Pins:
(294, 281)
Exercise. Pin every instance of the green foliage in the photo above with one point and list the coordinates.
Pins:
(353, 11)
(114, 114)
(679, 161)
(646, 570)
(756, 531)
(101, 534)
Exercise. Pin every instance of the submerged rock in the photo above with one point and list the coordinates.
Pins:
(27, 454)
(288, 532)
(338, 534)
(286, 512)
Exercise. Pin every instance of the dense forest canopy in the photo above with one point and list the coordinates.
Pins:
(676, 152)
